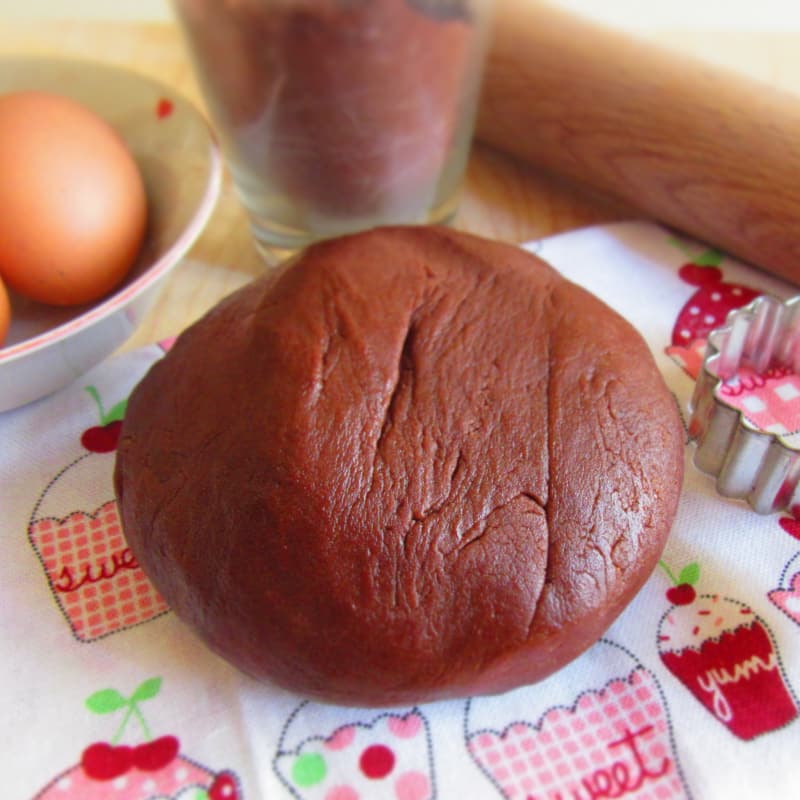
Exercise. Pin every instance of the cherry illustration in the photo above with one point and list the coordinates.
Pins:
(153, 765)
(700, 274)
(103, 438)
(104, 761)
(701, 269)
(156, 754)
(223, 788)
(682, 594)
(682, 591)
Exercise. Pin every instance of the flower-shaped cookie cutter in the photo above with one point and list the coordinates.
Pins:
(746, 392)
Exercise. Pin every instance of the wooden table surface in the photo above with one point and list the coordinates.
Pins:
(503, 198)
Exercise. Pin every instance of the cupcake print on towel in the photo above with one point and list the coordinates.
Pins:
(598, 728)
(706, 309)
(135, 765)
(76, 533)
(365, 756)
(726, 657)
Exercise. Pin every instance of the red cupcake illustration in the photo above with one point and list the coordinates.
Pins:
(151, 769)
(76, 533)
(706, 309)
(381, 757)
(786, 596)
(726, 657)
(563, 738)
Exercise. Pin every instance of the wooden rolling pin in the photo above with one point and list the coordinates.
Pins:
(693, 146)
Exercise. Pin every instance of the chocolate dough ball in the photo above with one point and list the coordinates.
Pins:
(413, 464)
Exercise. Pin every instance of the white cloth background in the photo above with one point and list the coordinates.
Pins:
(618, 722)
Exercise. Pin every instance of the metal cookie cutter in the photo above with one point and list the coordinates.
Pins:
(746, 405)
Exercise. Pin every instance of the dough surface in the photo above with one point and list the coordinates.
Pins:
(413, 464)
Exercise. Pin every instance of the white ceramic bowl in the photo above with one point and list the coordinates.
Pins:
(48, 347)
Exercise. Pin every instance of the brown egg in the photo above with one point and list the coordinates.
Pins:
(5, 313)
(73, 209)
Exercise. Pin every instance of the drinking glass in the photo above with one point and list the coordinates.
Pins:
(339, 115)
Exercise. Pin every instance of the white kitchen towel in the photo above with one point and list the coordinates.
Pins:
(692, 693)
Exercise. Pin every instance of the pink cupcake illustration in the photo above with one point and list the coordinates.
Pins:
(706, 309)
(786, 596)
(769, 400)
(76, 533)
(363, 756)
(725, 655)
(569, 736)
(151, 769)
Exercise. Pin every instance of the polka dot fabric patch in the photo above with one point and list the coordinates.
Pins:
(385, 759)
